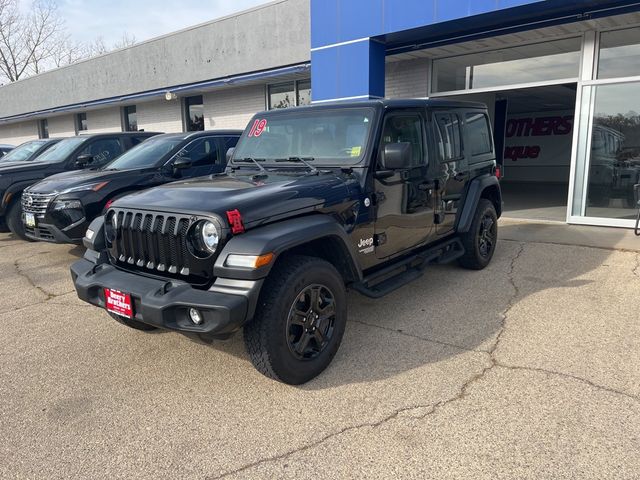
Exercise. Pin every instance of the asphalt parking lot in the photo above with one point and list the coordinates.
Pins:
(528, 369)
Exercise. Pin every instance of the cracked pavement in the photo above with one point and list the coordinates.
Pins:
(527, 369)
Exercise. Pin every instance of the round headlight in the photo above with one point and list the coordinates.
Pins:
(207, 236)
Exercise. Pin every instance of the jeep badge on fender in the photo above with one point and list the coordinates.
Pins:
(315, 200)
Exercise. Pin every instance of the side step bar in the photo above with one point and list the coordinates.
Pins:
(394, 276)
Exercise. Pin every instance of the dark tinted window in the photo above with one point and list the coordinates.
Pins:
(81, 122)
(479, 133)
(43, 128)
(405, 128)
(201, 152)
(194, 113)
(130, 118)
(103, 151)
(448, 136)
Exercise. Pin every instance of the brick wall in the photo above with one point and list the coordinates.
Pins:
(61, 126)
(104, 120)
(233, 108)
(160, 116)
(18, 133)
(407, 79)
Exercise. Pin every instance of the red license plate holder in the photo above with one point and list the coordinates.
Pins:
(118, 302)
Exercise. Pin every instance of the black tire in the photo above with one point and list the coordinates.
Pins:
(14, 220)
(136, 325)
(481, 239)
(277, 334)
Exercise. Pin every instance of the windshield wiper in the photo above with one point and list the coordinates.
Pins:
(251, 160)
(305, 161)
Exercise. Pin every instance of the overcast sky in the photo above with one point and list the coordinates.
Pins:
(87, 19)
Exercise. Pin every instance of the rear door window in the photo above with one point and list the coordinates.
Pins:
(448, 137)
(479, 134)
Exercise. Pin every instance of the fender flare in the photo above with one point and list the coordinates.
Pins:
(278, 238)
(472, 197)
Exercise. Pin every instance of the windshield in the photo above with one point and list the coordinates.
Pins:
(22, 152)
(61, 150)
(147, 154)
(329, 137)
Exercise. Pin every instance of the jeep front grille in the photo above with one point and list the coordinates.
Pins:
(36, 203)
(156, 243)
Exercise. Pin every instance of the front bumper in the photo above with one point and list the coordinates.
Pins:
(165, 304)
(47, 232)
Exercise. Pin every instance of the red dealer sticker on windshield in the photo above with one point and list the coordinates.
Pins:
(258, 127)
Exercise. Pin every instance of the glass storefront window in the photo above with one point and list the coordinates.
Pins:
(614, 163)
(194, 113)
(282, 95)
(619, 53)
(289, 94)
(553, 60)
(304, 92)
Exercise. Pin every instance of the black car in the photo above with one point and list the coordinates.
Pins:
(4, 149)
(315, 200)
(85, 151)
(27, 151)
(59, 208)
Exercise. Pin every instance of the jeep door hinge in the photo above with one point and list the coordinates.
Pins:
(378, 198)
(379, 239)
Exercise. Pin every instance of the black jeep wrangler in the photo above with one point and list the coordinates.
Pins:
(315, 200)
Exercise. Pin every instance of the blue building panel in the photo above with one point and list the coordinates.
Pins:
(349, 62)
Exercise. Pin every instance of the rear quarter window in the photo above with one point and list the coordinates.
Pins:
(478, 133)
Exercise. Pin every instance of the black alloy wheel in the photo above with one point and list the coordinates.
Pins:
(311, 322)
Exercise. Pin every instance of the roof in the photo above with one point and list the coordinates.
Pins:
(391, 103)
(201, 133)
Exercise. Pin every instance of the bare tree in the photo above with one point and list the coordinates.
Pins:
(27, 41)
(127, 40)
(36, 41)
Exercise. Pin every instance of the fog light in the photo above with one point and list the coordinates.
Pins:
(195, 316)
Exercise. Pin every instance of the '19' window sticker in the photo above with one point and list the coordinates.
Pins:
(258, 128)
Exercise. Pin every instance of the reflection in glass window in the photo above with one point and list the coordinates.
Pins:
(130, 118)
(479, 133)
(81, 122)
(194, 113)
(619, 53)
(304, 92)
(449, 138)
(289, 94)
(614, 166)
(282, 95)
(555, 60)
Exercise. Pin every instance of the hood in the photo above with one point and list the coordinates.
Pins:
(19, 167)
(258, 198)
(65, 180)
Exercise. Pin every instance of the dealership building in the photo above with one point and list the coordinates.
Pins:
(561, 79)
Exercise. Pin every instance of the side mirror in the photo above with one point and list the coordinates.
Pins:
(84, 160)
(396, 156)
(230, 153)
(182, 163)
